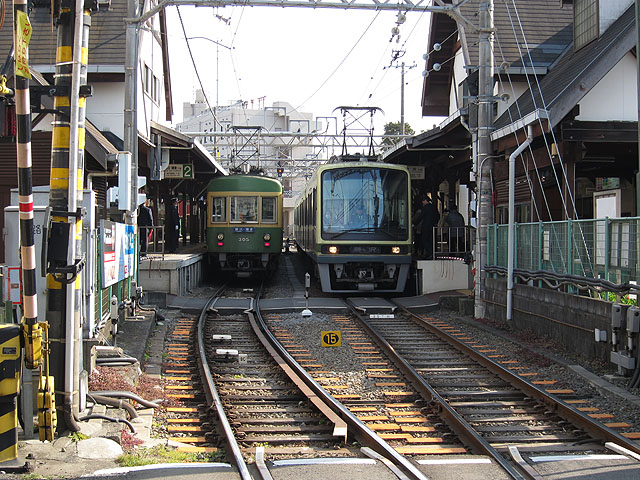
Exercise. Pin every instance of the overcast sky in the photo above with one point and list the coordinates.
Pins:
(314, 59)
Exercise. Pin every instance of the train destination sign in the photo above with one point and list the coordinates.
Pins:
(331, 338)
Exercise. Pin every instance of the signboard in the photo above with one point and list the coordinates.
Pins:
(118, 245)
(331, 338)
(179, 170)
(11, 284)
(416, 172)
(23, 36)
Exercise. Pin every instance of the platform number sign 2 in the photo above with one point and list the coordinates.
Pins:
(331, 339)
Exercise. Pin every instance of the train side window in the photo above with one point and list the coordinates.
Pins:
(269, 210)
(244, 209)
(219, 210)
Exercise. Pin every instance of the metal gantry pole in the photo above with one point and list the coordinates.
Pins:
(402, 99)
(131, 105)
(484, 160)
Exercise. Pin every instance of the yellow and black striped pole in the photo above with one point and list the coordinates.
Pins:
(65, 196)
(10, 367)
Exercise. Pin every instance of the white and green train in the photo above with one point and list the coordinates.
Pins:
(244, 226)
(353, 220)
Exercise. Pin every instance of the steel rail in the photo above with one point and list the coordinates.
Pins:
(340, 426)
(562, 409)
(212, 393)
(465, 432)
(365, 435)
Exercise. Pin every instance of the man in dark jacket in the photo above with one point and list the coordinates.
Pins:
(455, 222)
(428, 219)
(145, 220)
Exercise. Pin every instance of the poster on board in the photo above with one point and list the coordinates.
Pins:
(118, 244)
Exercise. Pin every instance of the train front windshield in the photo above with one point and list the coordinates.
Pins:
(365, 203)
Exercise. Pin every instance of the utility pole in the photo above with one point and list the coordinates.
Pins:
(402, 97)
(484, 160)
(64, 284)
(131, 107)
(395, 55)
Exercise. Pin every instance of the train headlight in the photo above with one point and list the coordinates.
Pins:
(395, 249)
(221, 236)
(333, 249)
(267, 237)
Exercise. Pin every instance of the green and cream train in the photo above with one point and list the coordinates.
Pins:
(353, 221)
(244, 226)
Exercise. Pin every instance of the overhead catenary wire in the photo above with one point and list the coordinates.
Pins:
(530, 149)
(195, 67)
(546, 202)
(384, 54)
(531, 90)
(339, 64)
(544, 104)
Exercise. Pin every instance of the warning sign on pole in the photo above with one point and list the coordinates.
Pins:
(23, 36)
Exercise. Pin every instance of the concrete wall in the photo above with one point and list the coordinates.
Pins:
(567, 319)
(177, 275)
(443, 275)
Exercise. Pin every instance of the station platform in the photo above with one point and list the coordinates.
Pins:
(175, 274)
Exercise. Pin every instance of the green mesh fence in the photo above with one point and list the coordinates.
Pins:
(604, 248)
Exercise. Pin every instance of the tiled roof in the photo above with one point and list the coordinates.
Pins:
(547, 31)
(545, 23)
(576, 73)
(106, 37)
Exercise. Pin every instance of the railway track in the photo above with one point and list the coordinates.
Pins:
(188, 417)
(261, 404)
(382, 400)
(430, 389)
(485, 397)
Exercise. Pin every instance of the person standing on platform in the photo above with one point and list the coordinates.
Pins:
(173, 225)
(455, 222)
(145, 220)
(428, 218)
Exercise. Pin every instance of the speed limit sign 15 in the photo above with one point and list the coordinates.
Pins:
(331, 339)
